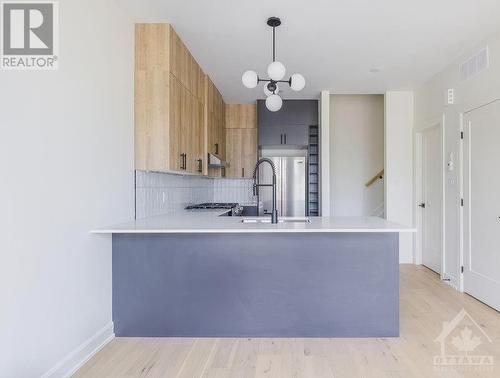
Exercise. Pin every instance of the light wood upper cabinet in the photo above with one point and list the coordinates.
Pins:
(216, 137)
(241, 139)
(185, 68)
(152, 93)
(170, 102)
(241, 152)
(241, 116)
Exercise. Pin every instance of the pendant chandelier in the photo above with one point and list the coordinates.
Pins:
(276, 72)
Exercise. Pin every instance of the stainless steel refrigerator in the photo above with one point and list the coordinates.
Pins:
(291, 186)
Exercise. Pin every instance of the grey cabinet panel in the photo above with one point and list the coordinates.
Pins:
(284, 135)
(270, 136)
(289, 125)
(295, 135)
(292, 113)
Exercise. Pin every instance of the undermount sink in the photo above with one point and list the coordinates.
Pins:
(282, 220)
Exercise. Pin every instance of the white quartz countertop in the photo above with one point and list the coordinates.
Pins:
(210, 221)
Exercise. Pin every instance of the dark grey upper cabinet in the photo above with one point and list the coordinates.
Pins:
(295, 135)
(292, 113)
(270, 136)
(289, 126)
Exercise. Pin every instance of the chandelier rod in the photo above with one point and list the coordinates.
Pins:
(274, 44)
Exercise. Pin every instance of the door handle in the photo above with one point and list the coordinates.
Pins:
(242, 172)
(285, 138)
(216, 148)
(281, 139)
(422, 205)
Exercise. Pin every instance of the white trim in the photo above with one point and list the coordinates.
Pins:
(443, 197)
(418, 198)
(77, 358)
(325, 153)
(438, 122)
(461, 211)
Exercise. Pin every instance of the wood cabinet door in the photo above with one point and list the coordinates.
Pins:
(175, 125)
(198, 135)
(249, 150)
(241, 116)
(233, 152)
(241, 152)
(151, 97)
(212, 132)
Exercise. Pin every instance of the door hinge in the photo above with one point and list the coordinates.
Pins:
(462, 269)
(461, 135)
(461, 201)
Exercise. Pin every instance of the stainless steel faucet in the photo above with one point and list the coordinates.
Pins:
(256, 185)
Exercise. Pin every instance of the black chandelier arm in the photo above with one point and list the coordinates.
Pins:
(289, 81)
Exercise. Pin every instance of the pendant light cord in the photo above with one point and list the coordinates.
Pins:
(274, 44)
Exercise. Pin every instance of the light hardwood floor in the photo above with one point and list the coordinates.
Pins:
(425, 304)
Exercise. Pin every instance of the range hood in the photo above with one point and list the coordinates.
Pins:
(216, 162)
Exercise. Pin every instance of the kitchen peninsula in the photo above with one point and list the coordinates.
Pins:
(200, 274)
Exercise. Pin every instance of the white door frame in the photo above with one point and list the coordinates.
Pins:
(439, 123)
(464, 111)
(461, 210)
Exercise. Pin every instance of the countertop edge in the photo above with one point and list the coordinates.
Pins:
(253, 231)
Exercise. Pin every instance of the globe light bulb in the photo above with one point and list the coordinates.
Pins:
(274, 103)
(249, 79)
(297, 82)
(276, 71)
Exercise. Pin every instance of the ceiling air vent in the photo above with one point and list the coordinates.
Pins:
(475, 64)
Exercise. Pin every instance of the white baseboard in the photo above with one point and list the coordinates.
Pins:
(75, 360)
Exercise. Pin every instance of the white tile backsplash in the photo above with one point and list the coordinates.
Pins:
(161, 193)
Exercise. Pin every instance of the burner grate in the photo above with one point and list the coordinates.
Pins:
(213, 205)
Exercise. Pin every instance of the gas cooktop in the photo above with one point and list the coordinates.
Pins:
(213, 205)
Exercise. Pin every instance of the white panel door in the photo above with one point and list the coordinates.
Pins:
(482, 204)
(432, 199)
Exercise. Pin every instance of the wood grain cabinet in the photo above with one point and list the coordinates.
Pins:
(180, 116)
(170, 103)
(241, 140)
(216, 136)
(241, 116)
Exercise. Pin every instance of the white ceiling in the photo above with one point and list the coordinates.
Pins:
(333, 43)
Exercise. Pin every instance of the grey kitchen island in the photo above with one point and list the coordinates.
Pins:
(199, 275)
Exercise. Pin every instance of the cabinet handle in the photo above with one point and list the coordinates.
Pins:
(183, 161)
(216, 148)
(281, 139)
(285, 138)
(200, 165)
(242, 172)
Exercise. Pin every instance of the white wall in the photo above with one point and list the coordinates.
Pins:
(356, 154)
(324, 150)
(399, 203)
(66, 155)
(430, 104)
